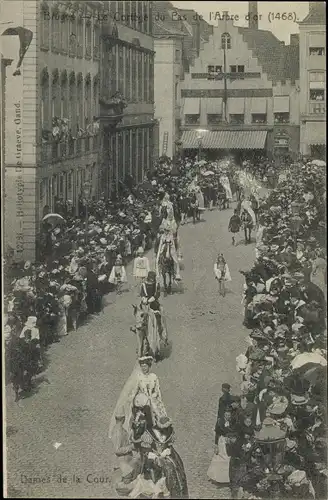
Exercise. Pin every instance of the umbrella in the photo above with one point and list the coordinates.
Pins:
(318, 163)
(312, 372)
(209, 172)
(54, 219)
(308, 358)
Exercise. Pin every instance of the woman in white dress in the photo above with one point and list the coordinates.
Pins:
(222, 273)
(141, 381)
(141, 266)
(118, 274)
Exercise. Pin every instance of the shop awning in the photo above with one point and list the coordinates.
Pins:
(316, 133)
(191, 106)
(225, 139)
(214, 106)
(281, 104)
(236, 106)
(258, 105)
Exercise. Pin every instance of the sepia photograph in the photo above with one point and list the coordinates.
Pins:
(164, 250)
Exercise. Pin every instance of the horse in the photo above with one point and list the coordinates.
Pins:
(149, 336)
(141, 329)
(166, 266)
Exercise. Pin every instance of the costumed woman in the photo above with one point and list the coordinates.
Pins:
(141, 381)
(141, 266)
(150, 293)
(222, 273)
(118, 274)
(200, 198)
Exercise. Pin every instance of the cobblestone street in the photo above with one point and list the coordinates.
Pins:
(77, 393)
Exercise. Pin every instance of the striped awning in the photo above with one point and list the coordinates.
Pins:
(224, 139)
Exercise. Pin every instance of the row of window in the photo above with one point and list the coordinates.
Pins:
(131, 152)
(77, 36)
(75, 99)
(136, 15)
(131, 72)
(317, 95)
(65, 186)
(317, 51)
(237, 118)
(233, 69)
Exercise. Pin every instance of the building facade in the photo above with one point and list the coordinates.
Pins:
(313, 81)
(67, 134)
(178, 34)
(130, 134)
(242, 92)
(69, 80)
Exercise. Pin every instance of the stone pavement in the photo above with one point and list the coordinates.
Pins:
(75, 397)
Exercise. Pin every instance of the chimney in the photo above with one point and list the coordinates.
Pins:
(253, 18)
(196, 35)
(294, 39)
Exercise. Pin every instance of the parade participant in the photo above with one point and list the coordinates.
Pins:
(121, 441)
(200, 198)
(234, 226)
(194, 205)
(212, 195)
(167, 239)
(141, 266)
(118, 274)
(222, 273)
(141, 382)
(183, 203)
(150, 291)
(247, 224)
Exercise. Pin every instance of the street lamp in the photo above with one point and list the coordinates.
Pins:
(86, 192)
(272, 442)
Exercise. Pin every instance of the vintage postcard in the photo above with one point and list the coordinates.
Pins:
(163, 173)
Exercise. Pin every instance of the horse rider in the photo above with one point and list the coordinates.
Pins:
(150, 293)
(169, 239)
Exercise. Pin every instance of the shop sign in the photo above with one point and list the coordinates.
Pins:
(281, 140)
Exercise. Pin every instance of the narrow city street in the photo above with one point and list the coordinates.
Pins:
(74, 399)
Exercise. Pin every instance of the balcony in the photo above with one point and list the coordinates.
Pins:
(53, 152)
(111, 110)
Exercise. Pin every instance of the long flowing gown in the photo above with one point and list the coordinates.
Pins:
(138, 383)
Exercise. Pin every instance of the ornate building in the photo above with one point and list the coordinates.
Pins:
(178, 36)
(130, 133)
(69, 80)
(80, 115)
(241, 93)
(313, 81)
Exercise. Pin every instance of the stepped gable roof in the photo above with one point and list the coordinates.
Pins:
(275, 58)
(168, 26)
(317, 14)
